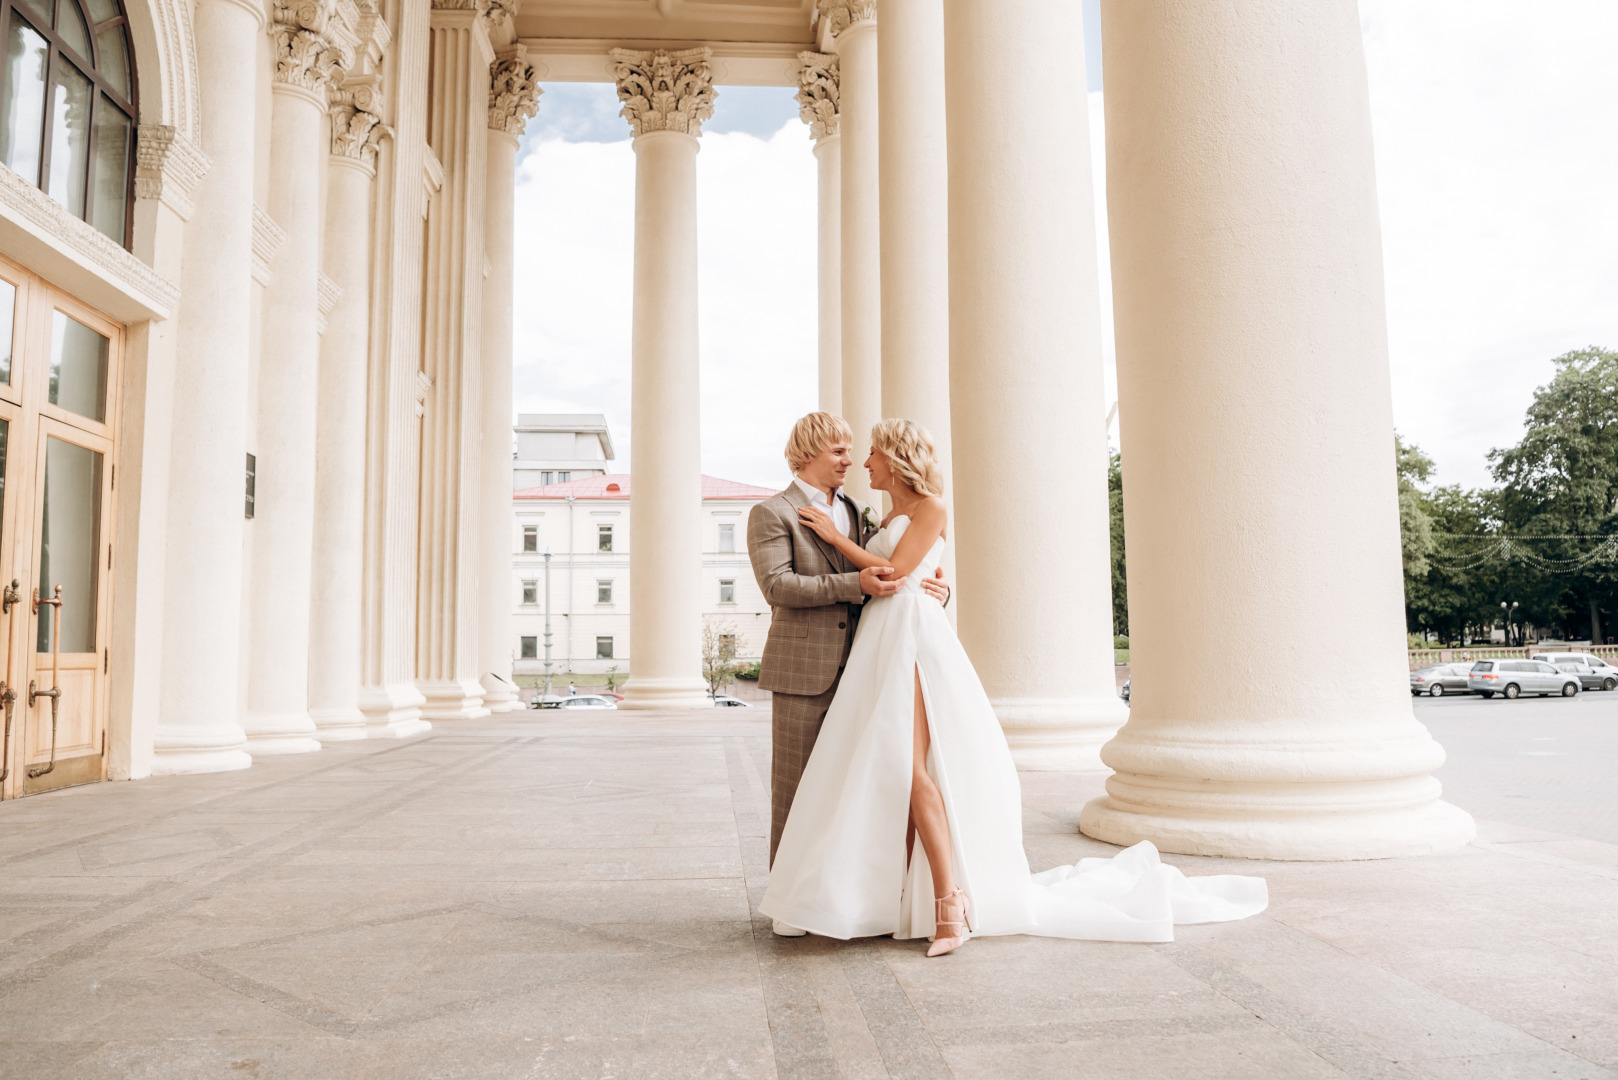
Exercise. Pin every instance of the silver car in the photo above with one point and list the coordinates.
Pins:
(1598, 674)
(576, 701)
(1511, 678)
(1440, 679)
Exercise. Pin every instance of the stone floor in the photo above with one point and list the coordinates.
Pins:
(564, 897)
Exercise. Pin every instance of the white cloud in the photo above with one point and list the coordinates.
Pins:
(756, 267)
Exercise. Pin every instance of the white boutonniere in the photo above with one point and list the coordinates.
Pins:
(867, 521)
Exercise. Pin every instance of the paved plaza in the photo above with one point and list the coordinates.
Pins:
(560, 897)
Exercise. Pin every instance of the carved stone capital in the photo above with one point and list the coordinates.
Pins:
(665, 91)
(314, 41)
(513, 93)
(356, 123)
(168, 167)
(819, 93)
(839, 15)
(496, 13)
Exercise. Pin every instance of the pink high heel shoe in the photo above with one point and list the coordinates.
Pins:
(949, 934)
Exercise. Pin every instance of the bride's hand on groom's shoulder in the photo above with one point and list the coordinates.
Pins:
(818, 520)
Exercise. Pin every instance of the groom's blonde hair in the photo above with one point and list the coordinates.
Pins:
(811, 436)
(911, 455)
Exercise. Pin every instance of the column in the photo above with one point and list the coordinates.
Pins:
(666, 98)
(197, 727)
(335, 631)
(851, 26)
(310, 48)
(1263, 524)
(914, 177)
(817, 106)
(513, 98)
(451, 437)
(1027, 405)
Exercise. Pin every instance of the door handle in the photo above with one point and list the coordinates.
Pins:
(55, 692)
(12, 595)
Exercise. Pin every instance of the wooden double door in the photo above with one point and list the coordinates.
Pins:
(59, 368)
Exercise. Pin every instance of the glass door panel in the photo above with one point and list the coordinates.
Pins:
(69, 545)
(78, 367)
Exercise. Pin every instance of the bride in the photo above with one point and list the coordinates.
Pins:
(911, 750)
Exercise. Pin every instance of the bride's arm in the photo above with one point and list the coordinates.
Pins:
(926, 526)
(820, 521)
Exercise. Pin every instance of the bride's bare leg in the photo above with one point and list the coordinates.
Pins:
(927, 807)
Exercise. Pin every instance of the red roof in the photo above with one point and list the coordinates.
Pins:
(616, 486)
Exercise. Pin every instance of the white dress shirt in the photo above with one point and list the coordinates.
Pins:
(837, 507)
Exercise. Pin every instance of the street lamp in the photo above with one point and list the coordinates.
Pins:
(547, 624)
(1509, 609)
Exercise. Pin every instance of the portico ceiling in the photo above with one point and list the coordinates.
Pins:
(755, 42)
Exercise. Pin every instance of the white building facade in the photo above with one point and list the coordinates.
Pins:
(553, 448)
(584, 525)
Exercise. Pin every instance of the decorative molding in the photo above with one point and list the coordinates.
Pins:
(267, 240)
(838, 15)
(315, 41)
(665, 91)
(328, 292)
(496, 13)
(513, 91)
(819, 93)
(84, 243)
(357, 129)
(432, 179)
(168, 167)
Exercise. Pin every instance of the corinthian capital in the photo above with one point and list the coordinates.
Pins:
(839, 15)
(818, 93)
(665, 91)
(513, 94)
(314, 41)
(356, 122)
(496, 13)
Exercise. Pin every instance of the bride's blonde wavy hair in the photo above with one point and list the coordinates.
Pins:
(909, 450)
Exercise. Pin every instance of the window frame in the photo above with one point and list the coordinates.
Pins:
(530, 592)
(604, 586)
(724, 585)
(607, 534)
(90, 68)
(611, 649)
(529, 532)
(727, 531)
(528, 647)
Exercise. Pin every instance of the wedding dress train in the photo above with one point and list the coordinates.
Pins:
(841, 871)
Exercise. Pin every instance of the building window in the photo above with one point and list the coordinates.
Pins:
(603, 537)
(603, 648)
(67, 107)
(727, 591)
(604, 592)
(547, 478)
(530, 592)
(727, 537)
(530, 537)
(564, 477)
(530, 647)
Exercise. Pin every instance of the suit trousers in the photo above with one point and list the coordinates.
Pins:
(794, 725)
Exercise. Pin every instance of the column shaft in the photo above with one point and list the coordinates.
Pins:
(829, 155)
(278, 720)
(339, 550)
(451, 467)
(1027, 408)
(861, 292)
(197, 728)
(1262, 523)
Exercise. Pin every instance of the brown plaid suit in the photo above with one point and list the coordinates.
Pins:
(814, 594)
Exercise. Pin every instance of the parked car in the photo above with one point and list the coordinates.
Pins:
(1440, 679)
(1509, 678)
(576, 701)
(1588, 678)
(1604, 674)
(725, 701)
(1123, 691)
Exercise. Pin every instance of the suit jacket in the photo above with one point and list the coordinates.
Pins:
(813, 591)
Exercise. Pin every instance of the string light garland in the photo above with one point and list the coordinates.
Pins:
(1505, 547)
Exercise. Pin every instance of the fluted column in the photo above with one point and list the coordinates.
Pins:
(513, 99)
(339, 546)
(666, 98)
(818, 93)
(1027, 404)
(451, 465)
(311, 47)
(1263, 521)
(851, 26)
(197, 726)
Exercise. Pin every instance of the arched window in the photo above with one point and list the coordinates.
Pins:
(67, 105)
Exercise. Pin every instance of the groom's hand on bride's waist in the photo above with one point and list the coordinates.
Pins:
(937, 587)
(871, 583)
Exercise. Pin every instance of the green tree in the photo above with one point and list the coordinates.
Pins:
(1415, 523)
(1120, 582)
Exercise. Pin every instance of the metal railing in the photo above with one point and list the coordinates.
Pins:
(1420, 658)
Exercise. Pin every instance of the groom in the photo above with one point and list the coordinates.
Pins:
(815, 595)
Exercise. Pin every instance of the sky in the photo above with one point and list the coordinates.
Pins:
(1497, 146)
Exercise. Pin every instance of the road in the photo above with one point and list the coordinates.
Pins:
(1542, 763)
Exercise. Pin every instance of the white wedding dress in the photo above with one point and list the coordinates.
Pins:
(840, 870)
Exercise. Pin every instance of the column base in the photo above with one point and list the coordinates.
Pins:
(338, 725)
(452, 699)
(280, 733)
(500, 694)
(645, 693)
(1059, 734)
(392, 711)
(1374, 798)
(182, 753)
